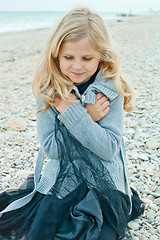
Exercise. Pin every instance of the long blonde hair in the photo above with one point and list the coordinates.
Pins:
(79, 23)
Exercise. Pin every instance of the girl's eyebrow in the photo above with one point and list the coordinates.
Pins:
(87, 55)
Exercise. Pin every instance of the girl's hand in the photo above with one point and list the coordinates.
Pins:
(100, 108)
(61, 104)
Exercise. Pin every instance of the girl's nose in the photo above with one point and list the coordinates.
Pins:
(77, 65)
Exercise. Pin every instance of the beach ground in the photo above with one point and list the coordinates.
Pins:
(137, 40)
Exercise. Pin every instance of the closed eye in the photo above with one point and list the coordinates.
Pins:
(84, 58)
(68, 57)
(87, 59)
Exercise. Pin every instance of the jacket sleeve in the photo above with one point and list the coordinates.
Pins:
(46, 131)
(103, 138)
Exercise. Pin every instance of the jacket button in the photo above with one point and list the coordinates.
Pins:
(83, 98)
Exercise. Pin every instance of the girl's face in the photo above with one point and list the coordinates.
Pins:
(78, 61)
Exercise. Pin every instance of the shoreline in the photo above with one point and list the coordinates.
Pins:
(24, 31)
(118, 18)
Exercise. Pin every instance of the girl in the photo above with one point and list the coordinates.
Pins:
(84, 191)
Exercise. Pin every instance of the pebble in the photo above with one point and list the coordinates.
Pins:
(154, 237)
(15, 126)
(4, 185)
(156, 195)
(153, 144)
(157, 190)
(133, 225)
(158, 213)
(154, 207)
(153, 231)
(151, 197)
(150, 216)
(157, 201)
(157, 219)
(144, 156)
(135, 238)
(6, 178)
(147, 201)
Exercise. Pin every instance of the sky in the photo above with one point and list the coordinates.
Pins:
(65, 5)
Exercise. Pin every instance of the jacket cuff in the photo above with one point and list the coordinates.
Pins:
(72, 114)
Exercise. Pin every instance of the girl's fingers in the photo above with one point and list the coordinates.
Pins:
(101, 107)
(103, 113)
(102, 100)
(99, 95)
(105, 104)
(106, 110)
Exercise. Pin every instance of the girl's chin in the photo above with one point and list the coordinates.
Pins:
(79, 82)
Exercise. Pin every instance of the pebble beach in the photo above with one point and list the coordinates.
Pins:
(137, 41)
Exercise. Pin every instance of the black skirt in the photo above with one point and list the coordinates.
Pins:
(82, 194)
(77, 216)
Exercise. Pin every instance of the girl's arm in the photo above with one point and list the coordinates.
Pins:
(46, 123)
(103, 137)
(46, 131)
(97, 110)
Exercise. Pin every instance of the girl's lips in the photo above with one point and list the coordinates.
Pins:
(77, 74)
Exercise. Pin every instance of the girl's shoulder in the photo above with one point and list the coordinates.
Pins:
(106, 86)
(108, 83)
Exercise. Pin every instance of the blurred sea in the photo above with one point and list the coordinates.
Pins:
(19, 21)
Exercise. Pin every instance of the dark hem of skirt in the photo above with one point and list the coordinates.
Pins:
(40, 219)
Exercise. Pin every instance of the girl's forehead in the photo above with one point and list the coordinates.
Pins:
(83, 45)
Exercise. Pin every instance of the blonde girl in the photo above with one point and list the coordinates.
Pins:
(81, 94)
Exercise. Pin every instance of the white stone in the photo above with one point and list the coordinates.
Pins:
(158, 229)
(154, 237)
(133, 225)
(153, 144)
(157, 190)
(157, 219)
(4, 185)
(153, 230)
(151, 197)
(15, 126)
(135, 238)
(18, 161)
(6, 178)
(147, 201)
(157, 201)
(154, 207)
(149, 170)
(150, 216)
(24, 173)
(143, 156)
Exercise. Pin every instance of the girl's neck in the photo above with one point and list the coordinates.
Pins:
(82, 87)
